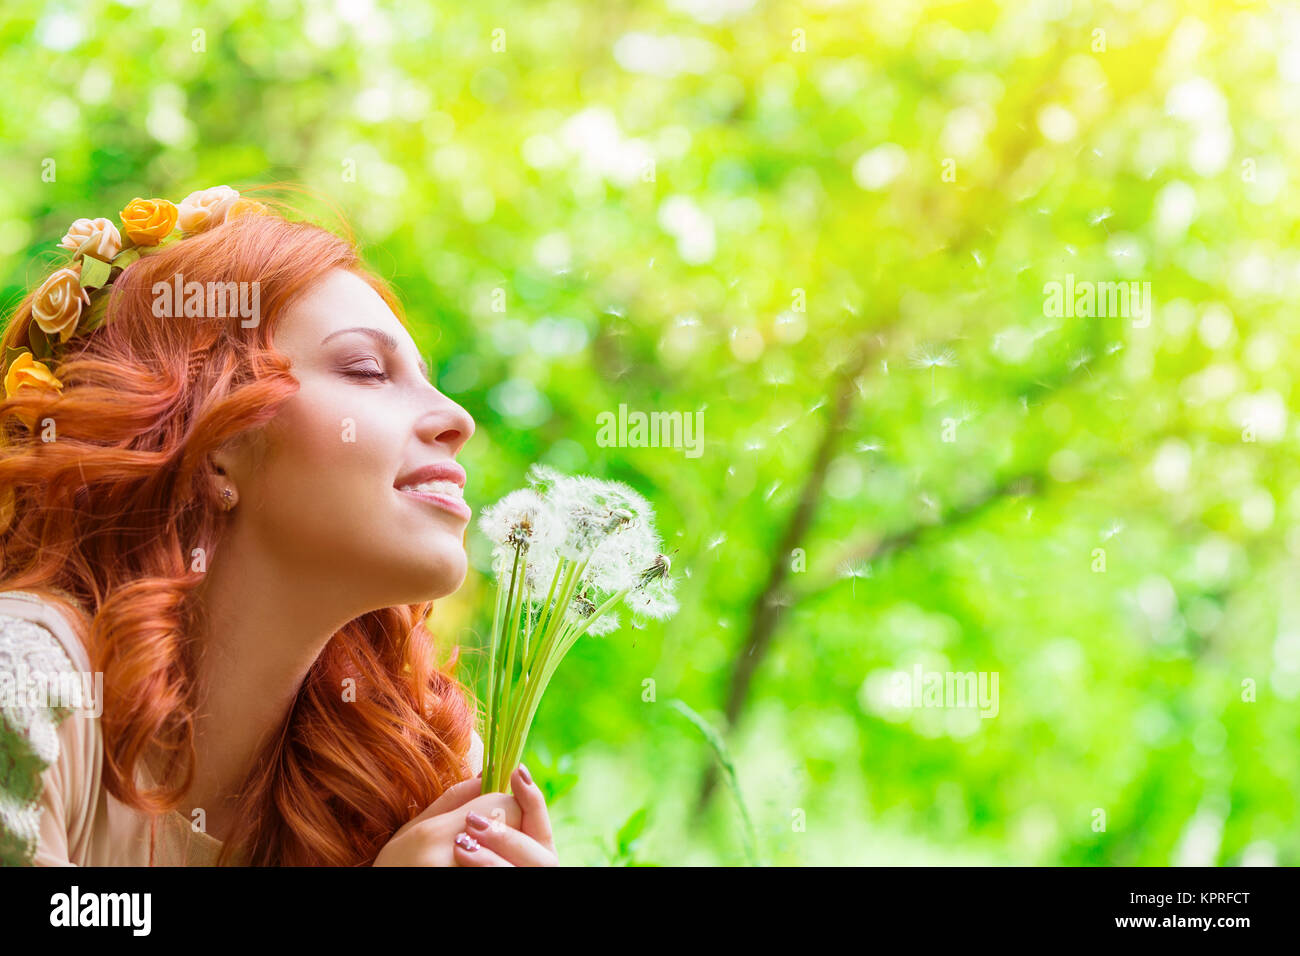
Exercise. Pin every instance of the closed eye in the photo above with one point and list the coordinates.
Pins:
(362, 372)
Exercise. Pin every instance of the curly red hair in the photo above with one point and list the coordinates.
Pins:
(111, 512)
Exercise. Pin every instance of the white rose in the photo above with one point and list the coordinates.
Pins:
(206, 208)
(99, 237)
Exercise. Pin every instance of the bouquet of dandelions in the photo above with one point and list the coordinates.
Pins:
(566, 552)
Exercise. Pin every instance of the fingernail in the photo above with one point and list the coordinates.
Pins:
(523, 773)
(476, 821)
(466, 842)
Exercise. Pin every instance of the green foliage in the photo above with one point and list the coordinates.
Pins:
(802, 220)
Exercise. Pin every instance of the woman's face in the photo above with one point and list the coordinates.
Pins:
(355, 485)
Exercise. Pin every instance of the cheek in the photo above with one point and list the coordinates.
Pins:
(330, 450)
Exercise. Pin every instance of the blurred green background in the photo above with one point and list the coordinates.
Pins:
(828, 227)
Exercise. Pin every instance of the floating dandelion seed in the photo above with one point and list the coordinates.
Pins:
(854, 570)
(1109, 532)
(979, 260)
(868, 446)
(717, 540)
(884, 365)
(1099, 219)
(771, 490)
(778, 600)
(932, 357)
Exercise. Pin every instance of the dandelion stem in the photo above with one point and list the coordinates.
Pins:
(562, 640)
(511, 689)
(502, 673)
(492, 675)
(561, 566)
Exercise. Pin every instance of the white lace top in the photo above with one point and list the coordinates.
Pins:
(54, 810)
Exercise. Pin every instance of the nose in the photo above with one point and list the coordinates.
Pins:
(445, 423)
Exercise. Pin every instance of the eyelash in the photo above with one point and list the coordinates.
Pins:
(365, 373)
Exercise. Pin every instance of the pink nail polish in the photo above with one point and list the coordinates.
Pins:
(466, 842)
(523, 772)
(476, 821)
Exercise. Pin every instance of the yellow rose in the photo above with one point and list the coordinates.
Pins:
(246, 207)
(26, 372)
(56, 307)
(99, 237)
(206, 208)
(149, 221)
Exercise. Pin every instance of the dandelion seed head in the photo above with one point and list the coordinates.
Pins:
(607, 623)
(655, 600)
(521, 517)
(617, 561)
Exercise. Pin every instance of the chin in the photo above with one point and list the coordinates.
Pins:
(434, 576)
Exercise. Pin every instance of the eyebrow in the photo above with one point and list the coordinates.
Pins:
(379, 335)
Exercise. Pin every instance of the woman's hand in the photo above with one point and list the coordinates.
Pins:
(517, 831)
(491, 842)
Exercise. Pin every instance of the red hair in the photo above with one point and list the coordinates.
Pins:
(112, 511)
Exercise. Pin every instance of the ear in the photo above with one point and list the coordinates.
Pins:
(225, 462)
(233, 461)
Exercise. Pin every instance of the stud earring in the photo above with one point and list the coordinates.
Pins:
(227, 498)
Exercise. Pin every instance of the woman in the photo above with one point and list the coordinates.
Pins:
(228, 485)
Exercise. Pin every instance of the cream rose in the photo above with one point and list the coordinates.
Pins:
(56, 308)
(99, 237)
(206, 208)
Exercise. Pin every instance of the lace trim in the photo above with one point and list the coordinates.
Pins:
(29, 738)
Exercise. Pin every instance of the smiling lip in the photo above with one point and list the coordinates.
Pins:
(443, 471)
(455, 505)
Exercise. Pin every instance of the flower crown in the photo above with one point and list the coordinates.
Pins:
(63, 306)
